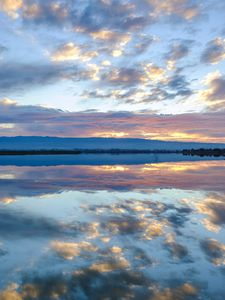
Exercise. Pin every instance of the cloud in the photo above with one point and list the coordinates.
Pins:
(3, 49)
(146, 85)
(142, 43)
(111, 42)
(145, 74)
(131, 95)
(45, 12)
(11, 7)
(123, 76)
(132, 218)
(69, 250)
(141, 83)
(89, 17)
(182, 8)
(116, 15)
(179, 216)
(2, 251)
(179, 85)
(70, 51)
(214, 95)
(214, 208)
(16, 224)
(154, 73)
(178, 50)
(214, 51)
(214, 250)
(97, 41)
(37, 120)
(111, 36)
(18, 76)
(34, 182)
(185, 291)
(110, 266)
(89, 282)
(177, 251)
(32, 10)
(95, 16)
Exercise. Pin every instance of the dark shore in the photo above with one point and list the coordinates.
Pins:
(192, 152)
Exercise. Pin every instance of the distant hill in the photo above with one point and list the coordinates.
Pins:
(50, 143)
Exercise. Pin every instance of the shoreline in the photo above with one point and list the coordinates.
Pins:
(186, 152)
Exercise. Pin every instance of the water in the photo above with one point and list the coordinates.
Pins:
(120, 231)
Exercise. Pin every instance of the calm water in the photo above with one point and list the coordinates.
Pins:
(148, 231)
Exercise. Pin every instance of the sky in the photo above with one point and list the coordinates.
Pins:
(113, 68)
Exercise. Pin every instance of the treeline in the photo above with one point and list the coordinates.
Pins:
(84, 151)
(200, 152)
(38, 152)
(205, 152)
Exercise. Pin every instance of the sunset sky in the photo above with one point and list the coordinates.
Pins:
(113, 68)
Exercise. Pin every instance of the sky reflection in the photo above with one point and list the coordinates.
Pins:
(113, 232)
(37, 181)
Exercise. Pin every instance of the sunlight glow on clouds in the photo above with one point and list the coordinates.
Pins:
(38, 120)
(69, 250)
(70, 51)
(153, 56)
(214, 52)
(11, 7)
(111, 134)
(181, 8)
(215, 93)
(114, 37)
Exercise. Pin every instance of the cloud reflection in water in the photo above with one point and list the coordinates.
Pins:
(130, 232)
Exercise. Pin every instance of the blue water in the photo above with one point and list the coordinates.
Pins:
(112, 231)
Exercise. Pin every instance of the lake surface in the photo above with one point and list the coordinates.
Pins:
(112, 230)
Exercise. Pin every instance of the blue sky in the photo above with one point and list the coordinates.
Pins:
(157, 58)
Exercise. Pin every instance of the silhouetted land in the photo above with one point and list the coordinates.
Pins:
(205, 152)
(97, 151)
(199, 152)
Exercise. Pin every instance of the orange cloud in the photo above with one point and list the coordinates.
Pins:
(199, 127)
(70, 51)
(181, 8)
(10, 7)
